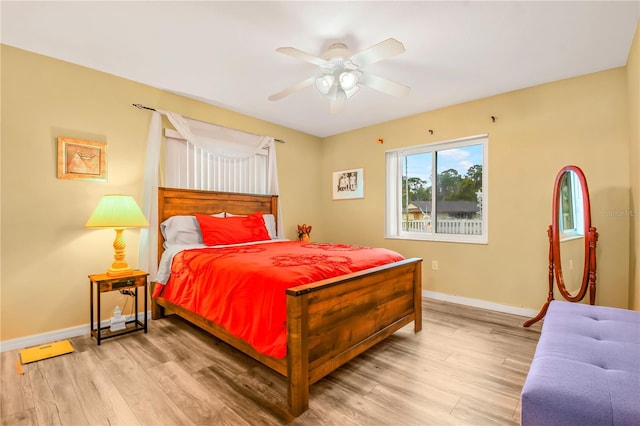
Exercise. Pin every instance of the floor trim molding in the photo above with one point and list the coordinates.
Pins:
(67, 333)
(54, 336)
(507, 309)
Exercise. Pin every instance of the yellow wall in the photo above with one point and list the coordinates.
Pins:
(581, 121)
(47, 254)
(633, 90)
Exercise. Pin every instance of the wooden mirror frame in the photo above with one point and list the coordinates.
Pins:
(590, 240)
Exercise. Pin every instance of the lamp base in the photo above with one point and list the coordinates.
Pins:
(119, 267)
(119, 272)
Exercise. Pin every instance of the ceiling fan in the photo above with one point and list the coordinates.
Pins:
(341, 72)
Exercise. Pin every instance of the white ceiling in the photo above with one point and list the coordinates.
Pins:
(224, 53)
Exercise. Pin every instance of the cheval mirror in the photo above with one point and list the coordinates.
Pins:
(571, 233)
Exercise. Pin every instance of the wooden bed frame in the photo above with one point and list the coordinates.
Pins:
(329, 322)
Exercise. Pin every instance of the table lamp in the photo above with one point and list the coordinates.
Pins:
(117, 212)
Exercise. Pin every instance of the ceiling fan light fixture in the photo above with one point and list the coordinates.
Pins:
(341, 73)
(324, 83)
(348, 80)
(349, 93)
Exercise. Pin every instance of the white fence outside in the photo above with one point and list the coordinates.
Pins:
(445, 226)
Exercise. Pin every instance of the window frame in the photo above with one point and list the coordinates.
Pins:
(393, 203)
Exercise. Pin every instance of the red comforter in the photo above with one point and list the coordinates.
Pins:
(242, 288)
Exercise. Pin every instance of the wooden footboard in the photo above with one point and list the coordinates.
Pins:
(331, 322)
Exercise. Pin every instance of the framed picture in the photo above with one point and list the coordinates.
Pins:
(348, 184)
(80, 159)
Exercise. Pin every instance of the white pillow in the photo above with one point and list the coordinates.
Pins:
(182, 230)
(269, 223)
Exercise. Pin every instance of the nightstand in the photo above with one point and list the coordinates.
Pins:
(104, 283)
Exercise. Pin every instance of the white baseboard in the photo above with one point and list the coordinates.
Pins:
(53, 336)
(476, 303)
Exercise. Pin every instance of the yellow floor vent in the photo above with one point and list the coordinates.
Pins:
(48, 350)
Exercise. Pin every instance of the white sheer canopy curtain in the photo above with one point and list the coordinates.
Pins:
(222, 142)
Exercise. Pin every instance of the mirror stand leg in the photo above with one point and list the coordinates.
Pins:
(592, 289)
(541, 314)
(543, 310)
(593, 239)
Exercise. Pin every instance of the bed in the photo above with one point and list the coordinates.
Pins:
(328, 322)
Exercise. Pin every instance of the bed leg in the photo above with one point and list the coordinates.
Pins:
(297, 354)
(157, 311)
(417, 297)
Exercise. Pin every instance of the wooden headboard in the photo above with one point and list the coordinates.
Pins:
(173, 201)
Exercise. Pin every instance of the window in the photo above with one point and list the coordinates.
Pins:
(438, 191)
(189, 166)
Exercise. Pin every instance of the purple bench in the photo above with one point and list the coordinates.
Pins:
(586, 368)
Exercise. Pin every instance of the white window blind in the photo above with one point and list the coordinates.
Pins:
(188, 166)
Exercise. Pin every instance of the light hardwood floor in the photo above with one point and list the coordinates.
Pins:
(466, 367)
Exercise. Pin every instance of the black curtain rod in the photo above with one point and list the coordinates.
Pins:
(140, 106)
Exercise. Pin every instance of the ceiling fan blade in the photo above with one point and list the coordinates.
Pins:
(337, 104)
(383, 50)
(383, 85)
(291, 89)
(296, 53)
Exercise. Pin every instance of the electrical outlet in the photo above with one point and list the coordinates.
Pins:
(434, 265)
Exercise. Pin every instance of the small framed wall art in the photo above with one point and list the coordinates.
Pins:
(81, 159)
(348, 184)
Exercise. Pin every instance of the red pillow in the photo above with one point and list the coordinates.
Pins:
(232, 230)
